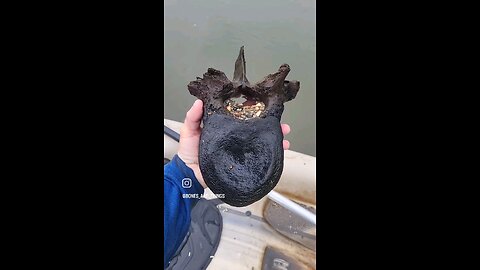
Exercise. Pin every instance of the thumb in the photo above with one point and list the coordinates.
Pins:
(194, 116)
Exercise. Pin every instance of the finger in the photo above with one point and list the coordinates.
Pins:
(194, 116)
(285, 129)
(286, 145)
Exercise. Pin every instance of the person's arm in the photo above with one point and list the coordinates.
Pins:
(179, 182)
(182, 168)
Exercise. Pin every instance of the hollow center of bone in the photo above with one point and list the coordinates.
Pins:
(244, 108)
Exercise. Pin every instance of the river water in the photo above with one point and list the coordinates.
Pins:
(209, 33)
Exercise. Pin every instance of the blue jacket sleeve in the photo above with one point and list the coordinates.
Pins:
(181, 191)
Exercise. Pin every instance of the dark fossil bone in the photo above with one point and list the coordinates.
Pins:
(242, 159)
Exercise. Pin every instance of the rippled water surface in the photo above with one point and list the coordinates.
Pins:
(209, 33)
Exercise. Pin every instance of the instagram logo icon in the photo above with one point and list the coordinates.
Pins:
(186, 183)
